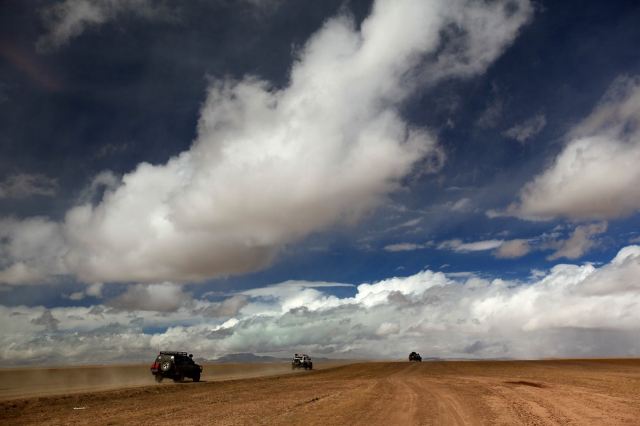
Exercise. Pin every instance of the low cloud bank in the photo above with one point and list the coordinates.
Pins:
(569, 311)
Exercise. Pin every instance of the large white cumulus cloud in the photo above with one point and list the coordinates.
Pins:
(596, 175)
(271, 165)
(572, 310)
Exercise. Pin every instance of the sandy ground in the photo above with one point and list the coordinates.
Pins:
(29, 382)
(579, 392)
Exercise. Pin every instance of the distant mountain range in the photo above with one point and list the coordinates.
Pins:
(247, 357)
(251, 358)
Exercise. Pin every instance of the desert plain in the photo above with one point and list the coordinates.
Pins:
(549, 392)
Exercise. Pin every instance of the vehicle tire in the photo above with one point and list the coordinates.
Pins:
(196, 377)
(158, 378)
(165, 366)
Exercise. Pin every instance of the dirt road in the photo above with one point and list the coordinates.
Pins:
(439, 393)
(30, 382)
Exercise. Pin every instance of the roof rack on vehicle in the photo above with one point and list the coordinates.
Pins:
(173, 353)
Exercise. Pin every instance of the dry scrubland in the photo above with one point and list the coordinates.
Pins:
(580, 392)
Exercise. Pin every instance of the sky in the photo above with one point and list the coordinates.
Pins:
(346, 178)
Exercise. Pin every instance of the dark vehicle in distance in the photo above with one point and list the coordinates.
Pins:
(176, 366)
(415, 356)
(301, 361)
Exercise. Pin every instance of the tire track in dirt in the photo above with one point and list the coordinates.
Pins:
(368, 399)
(450, 410)
(545, 404)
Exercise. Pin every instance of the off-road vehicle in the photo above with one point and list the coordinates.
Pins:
(176, 366)
(301, 361)
(415, 356)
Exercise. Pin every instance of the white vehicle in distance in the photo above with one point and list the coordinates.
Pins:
(301, 361)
